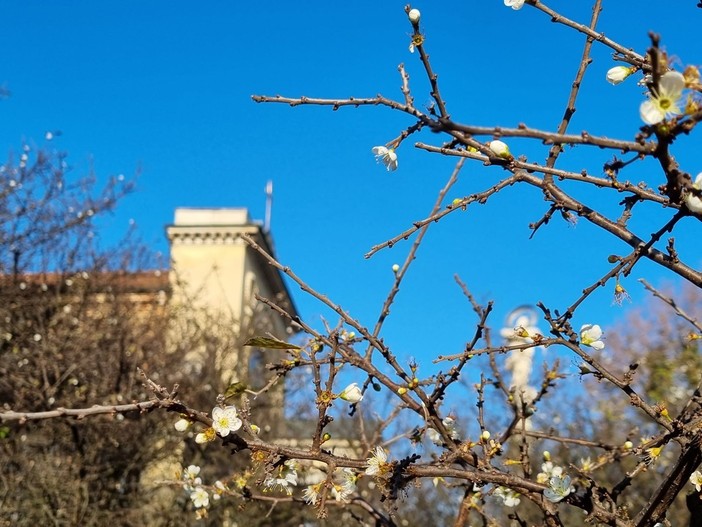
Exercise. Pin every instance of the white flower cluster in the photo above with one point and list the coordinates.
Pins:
(343, 486)
(509, 497)
(284, 479)
(193, 485)
(450, 425)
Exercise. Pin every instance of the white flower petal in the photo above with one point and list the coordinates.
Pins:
(650, 113)
(672, 83)
(514, 4)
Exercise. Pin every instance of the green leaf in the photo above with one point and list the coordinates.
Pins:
(236, 388)
(270, 343)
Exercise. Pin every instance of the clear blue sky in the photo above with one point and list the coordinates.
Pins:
(164, 89)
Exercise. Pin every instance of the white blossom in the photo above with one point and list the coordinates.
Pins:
(341, 490)
(509, 497)
(548, 471)
(377, 461)
(591, 335)
(664, 100)
(696, 480)
(225, 420)
(414, 16)
(200, 498)
(387, 156)
(311, 493)
(558, 488)
(284, 479)
(190, 473)
(693, 202)
(514, 4)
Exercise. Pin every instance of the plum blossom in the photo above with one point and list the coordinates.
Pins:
(311, 493)
(558, 488)
(509, 497)
(414, 16)
(225, 420)
(696, 480)
(286, 476)
(664, 100)
(514, 4)
(693, 202)
(341, 490)
(378, 462)
(548, 471)
(591, 335)
(200, 498)
(387, 156)
(450, 425)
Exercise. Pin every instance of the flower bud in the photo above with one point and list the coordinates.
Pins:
(352, 393)
(485, 435)
(618, 74)
(395, 268)
(500, 149)
(414, 15)
(182, 425)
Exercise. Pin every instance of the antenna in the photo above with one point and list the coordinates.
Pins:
(269, 206)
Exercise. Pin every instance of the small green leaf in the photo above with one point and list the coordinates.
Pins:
(270, 343)
(236, 388)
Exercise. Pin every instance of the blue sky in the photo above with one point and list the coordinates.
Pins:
(163, 90)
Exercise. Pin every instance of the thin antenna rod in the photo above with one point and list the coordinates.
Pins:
(269, 206)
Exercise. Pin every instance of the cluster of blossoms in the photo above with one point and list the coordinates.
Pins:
(548, 471)
(450, 425)
(224, 421)
(343, 486)
(284, 478)
(193, 485)
(665, 100)
(558, 483)
(510, 498)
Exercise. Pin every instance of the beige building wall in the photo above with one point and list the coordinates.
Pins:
(215, 270)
